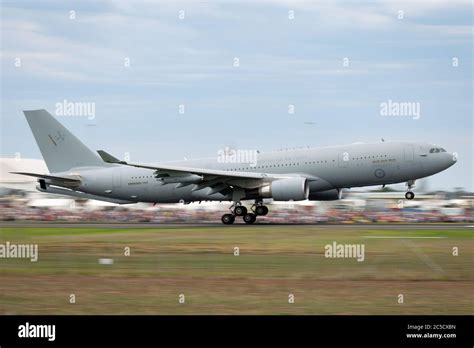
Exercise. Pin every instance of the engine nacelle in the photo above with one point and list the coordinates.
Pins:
(291, 189)
(328, 195)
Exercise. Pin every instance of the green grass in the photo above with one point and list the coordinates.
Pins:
(274, 261)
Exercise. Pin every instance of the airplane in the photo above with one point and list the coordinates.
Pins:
(292, 175)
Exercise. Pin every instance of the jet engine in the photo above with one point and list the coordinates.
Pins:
(291, 189)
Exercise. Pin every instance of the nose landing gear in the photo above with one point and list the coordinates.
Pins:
(409, 194)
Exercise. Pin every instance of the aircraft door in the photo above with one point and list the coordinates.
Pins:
(117, 177)
(343, 159)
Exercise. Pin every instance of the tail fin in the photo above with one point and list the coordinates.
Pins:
(61, 150)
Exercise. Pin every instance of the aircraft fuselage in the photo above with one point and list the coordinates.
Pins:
(328, 168)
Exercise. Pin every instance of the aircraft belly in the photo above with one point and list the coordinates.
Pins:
(365, 174)
(167, 193)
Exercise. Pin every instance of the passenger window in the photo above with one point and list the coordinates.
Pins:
(436, 150)
(432, 150)
(442, 150)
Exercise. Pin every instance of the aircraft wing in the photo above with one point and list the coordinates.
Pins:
(200, 171)
(204, 177)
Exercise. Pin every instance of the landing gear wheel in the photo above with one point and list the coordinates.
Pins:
(240, 210)
(261, 210)
(228, 219)
(250, 218)
(409, 195)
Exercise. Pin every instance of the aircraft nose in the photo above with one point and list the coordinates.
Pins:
(450, 159)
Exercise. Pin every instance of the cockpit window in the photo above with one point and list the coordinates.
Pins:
(437, 150)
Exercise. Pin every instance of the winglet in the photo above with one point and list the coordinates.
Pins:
(108, 158)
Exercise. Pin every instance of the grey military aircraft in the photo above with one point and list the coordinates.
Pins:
(292, 175)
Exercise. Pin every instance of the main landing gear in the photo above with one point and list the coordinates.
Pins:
(228, 219)
(409, 194)
(238, 209)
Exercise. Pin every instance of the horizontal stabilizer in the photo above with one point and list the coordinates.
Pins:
(44, 176)
(54, 180)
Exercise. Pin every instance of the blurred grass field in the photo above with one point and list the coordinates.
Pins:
(274, 261)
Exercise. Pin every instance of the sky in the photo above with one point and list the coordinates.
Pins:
(171, 80)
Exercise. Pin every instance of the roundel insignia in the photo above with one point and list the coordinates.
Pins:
(379, 173)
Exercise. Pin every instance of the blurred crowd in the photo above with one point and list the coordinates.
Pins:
(360, 210)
